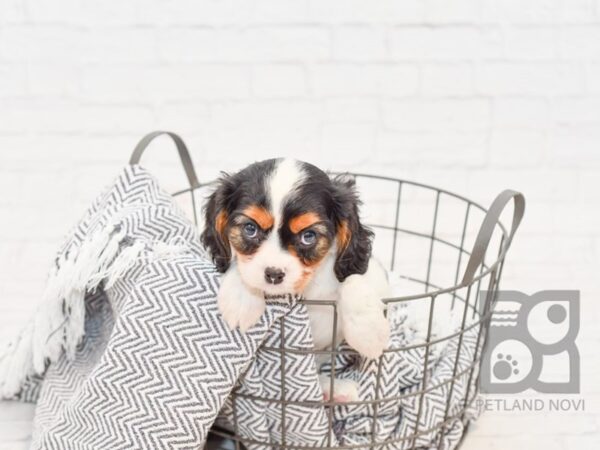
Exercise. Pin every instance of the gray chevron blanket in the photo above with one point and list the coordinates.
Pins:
(127, 350)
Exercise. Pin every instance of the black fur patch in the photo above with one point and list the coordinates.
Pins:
(354, 258)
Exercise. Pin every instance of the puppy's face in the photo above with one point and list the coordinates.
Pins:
(279, 219)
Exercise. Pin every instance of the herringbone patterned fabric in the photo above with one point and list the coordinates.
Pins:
(157, 365)
(157, 361)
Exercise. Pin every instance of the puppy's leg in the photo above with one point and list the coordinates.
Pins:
(343, 391)
(364, 324)
(239, 305)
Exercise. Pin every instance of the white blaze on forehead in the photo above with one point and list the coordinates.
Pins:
(285, 179)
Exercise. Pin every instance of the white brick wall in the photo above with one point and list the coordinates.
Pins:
(470, 95)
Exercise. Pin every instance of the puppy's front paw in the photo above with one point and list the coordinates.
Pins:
(367, 334)
(364, 324)
(238, 306)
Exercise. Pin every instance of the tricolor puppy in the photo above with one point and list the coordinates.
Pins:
(283, 226)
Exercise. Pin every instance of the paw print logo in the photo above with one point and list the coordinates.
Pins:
(529, 334)
(510, 361)
(505, 367)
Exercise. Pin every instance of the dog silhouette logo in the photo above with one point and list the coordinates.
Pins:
(531, 343)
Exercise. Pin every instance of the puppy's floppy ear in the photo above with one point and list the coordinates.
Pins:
(214, 236)
(353, 239)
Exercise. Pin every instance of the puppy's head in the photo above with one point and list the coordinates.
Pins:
(279, 219)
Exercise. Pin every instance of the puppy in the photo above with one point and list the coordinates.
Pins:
(282, 226)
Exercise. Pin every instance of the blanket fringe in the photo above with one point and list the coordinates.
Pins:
(59, 322)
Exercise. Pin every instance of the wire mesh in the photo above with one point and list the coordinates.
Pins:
(394, 199)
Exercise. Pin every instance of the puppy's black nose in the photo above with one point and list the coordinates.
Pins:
(274, 275)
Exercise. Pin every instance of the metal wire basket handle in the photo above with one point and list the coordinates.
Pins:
(184, 154)
(487, 230)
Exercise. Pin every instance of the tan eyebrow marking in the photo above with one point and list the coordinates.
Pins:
(260, 215)
(303, 221)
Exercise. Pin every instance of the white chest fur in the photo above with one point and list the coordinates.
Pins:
(323, 286)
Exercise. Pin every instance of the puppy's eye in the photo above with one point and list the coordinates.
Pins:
(308, 237)
(250, 230)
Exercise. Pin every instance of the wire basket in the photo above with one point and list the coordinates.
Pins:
(449, 249)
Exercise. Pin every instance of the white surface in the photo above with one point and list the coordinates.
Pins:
(469, 95)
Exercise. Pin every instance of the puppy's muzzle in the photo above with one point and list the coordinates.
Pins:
(274, 275)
